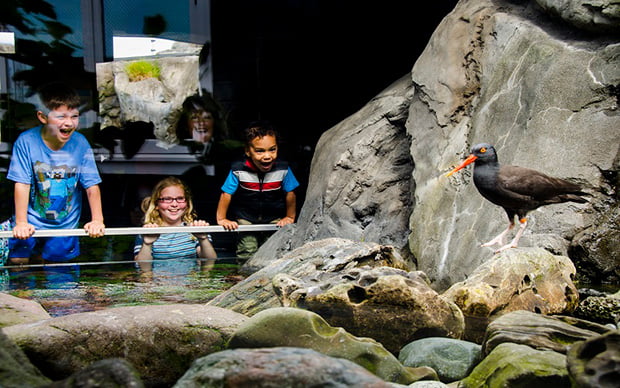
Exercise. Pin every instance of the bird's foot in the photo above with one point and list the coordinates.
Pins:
(499, 240)
(505, 247)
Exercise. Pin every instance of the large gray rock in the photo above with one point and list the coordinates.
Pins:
(276, 367)
(159, 341)
(501, 72)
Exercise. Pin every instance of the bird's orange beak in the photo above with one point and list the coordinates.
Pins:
(470, 159)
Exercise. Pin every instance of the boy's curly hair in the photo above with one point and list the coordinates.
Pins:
(258, 129)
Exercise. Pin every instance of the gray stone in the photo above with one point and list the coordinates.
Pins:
(452, 359)
(159, 341)
(276, 367)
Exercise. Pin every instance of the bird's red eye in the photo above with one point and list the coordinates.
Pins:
(483, 150)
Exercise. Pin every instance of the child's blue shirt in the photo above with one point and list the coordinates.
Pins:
(56, 178)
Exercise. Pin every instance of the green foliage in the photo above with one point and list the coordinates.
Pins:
(141, 70)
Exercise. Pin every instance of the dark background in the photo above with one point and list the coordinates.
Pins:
(307, 65)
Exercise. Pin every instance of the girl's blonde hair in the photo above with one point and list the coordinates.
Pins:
(149, 204)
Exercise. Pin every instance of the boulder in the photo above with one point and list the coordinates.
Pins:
(451, 358)
(332, 255)
(276, 367)
(292, 327)
(514, 365)
(517, 279)
(391, 306)
(159, 341)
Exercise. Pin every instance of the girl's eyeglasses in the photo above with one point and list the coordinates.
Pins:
(170, 199)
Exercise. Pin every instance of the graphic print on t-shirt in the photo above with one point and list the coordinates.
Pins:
(55, 187)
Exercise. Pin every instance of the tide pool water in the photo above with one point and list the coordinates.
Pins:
(72, 289)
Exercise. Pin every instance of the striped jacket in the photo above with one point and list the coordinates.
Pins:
(256, 196)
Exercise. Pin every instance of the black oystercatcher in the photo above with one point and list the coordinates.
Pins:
(516, 189)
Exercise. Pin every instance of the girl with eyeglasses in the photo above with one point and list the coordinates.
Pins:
(170, 204)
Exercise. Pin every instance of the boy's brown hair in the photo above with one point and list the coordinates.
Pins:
(56, 94)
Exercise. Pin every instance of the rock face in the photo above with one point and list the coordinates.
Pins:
(517, 279)
(504, 73)
(501, 72)
(159, 341)
(393, 307)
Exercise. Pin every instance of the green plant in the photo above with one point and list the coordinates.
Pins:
(141, 70)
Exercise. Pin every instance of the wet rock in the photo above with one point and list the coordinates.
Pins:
(595, 362)
(528, 279)
(540, 332)
(276, 367)
(513, 365)
(18, 310)
(16, 370)
(294, 327)
(159, 341)
(452, 359)
(332, 255)
(392, 306)
(601, 309)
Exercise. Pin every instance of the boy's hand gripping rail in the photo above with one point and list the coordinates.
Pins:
(141, 230)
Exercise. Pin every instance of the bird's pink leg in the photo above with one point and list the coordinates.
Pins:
(499, 239)
(515, 241)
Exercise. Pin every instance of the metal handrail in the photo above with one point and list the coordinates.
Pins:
(142, 230)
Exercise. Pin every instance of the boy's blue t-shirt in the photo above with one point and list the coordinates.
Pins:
(55, 177)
